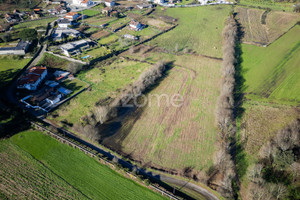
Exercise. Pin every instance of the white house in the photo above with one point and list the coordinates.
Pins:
(63, 23)
(109, 3)
(60, 33)
(135, 25)
(54, 99)
(203, 2)
(73, 48)
(83, 3)
(132, 37)
(32, 78)
(142, 6)
(159, 1)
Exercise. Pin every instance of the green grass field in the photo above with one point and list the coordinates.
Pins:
(9, 67)
(43, 160)
(197, 30)
(90, 13)
(106, 81)
(272, 73)
(37, 23)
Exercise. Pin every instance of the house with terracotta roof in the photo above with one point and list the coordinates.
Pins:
(72, 16)
(31, 79)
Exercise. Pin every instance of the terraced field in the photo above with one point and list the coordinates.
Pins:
(276, 24)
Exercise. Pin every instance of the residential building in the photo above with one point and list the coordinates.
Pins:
(73, 48)
(63, 23)
(159, 1)
(32, 78)
(72, 16)
(60, 33)
(109, 3)
(143, 6)
(12, 18)
(20, 49)
(57, 10)
(83, 3)
(106, 10)
(136, 25)
(53, 99)
(132, 37)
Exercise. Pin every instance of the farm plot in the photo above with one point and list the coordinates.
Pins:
(171, 137)
(197, 30)
(272, 73)
(36, 23)
(276, 24)
(106, 81)
(86, 177)
(22, 177)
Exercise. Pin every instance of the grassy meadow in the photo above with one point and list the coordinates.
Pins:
(197, 30)
(36, 23)
(32, 160)
(106, 81)
(53, 61)
(272, 73)
(10, 66)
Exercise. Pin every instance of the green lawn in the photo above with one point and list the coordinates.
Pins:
(109, 39)
(84, 174)
(90, 13)
(9, 67)
(36, 23)
(199, 29)
(95, 53)
(105, 82)
(272, 73)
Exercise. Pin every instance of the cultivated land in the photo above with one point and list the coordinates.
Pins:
(256, 32)
(41, 167)
(280, 6)
(197, 30)
(169, 137)
(24, 177)
(10, 66)
(272, 73)
(106, 81)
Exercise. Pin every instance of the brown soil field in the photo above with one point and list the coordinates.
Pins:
(22, 177)
(277, 23)
(100, 34)
(167, 137)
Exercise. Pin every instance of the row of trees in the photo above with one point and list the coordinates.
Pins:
(224, 166)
